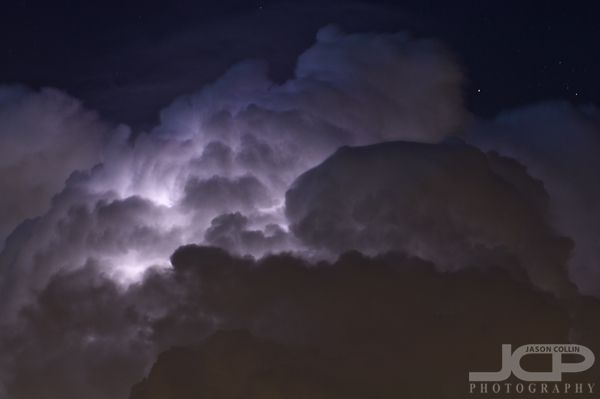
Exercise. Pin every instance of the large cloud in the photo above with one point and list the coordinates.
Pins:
(45, 136)
(83, 312)
(448, 203)
(560, 145)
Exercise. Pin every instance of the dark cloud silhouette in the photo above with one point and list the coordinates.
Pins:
(379, 326)
(384, 327)
(449, 203)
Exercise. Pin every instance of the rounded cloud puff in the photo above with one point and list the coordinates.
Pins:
(448, 203)
(45, 137)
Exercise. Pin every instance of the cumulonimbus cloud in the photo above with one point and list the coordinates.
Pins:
(88, 299)
(232, 148)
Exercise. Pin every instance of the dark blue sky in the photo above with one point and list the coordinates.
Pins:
(129, 58)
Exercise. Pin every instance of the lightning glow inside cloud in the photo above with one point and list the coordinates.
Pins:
(355, 152)
(217, 167)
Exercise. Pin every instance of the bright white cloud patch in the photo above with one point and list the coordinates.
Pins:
(217, 167)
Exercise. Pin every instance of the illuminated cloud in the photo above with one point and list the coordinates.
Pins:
(45, 137)
(218, 165)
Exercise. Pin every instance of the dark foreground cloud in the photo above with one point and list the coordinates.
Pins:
(386, 327)
(449, 203)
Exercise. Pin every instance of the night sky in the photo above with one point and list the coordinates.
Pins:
(514, 52)
(292, 200)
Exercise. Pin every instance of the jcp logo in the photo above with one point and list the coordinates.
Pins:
(511, 363)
